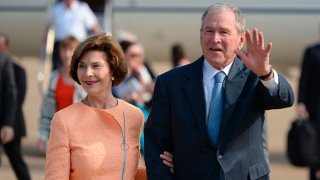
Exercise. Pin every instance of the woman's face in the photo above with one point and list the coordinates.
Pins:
(94, 73)
(66, 54)
(135, 57)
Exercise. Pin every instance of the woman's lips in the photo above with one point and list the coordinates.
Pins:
(90, 82)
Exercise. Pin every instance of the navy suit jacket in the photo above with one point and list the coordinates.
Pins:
(21, 85)
(177, 123)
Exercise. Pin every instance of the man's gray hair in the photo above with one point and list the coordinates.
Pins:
(219, 7)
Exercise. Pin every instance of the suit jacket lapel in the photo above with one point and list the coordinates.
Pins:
(193, 87)
(233, 87)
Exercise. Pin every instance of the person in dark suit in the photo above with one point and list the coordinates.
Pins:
(13, 147)
(308, 101)
(8, 98)
(210, 114)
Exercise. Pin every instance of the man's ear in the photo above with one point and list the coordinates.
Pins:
(242, 40)
(200, 37)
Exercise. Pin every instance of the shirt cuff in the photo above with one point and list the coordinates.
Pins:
(273, 84)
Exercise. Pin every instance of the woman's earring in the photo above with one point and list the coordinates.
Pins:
(112, 78)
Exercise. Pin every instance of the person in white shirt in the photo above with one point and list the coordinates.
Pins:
(70, 17)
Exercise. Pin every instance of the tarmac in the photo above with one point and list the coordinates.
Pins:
(279, 122)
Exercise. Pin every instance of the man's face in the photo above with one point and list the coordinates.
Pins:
(219, 38)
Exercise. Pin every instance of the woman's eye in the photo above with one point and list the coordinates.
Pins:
(80, 66)
(95, 66)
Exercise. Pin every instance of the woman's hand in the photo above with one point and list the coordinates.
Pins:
(168, 160)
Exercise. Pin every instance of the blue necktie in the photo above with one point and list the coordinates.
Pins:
(216, 107)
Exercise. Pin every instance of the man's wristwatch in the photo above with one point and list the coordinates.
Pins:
(267, 75)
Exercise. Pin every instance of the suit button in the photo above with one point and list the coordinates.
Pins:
(282, 95)
(219, 156)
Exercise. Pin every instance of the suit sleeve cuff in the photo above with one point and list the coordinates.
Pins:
(273, 84)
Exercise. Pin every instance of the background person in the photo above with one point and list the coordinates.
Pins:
(62, 91)
(308, 106)
(210, 114)
(13, 147)
(70, 17)
(8, 98)
(178, 55)
(138, 86)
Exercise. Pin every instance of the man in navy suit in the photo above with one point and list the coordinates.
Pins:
(179, 116)
(13, 148)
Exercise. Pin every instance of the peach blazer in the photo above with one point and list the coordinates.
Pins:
(90, 143)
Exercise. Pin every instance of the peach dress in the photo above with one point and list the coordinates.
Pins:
(90, 143)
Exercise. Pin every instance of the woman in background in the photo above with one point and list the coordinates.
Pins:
(62, 91)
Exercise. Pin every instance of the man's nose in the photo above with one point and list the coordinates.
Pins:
(216, 37)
